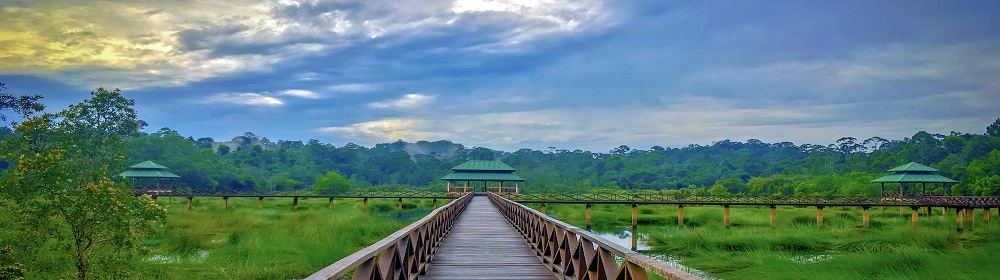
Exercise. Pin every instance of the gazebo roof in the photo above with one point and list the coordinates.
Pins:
(148, 169)
(914, 173)
(483, 170)
(483, 165)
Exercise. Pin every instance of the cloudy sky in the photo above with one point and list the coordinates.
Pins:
(509, 74)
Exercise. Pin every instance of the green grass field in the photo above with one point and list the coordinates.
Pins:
(797, 249)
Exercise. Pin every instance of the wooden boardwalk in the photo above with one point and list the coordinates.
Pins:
(483, 245)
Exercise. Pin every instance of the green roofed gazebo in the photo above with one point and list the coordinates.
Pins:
(151, 172)
(913, 173)
(486, 171)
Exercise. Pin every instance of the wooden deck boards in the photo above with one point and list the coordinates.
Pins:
(483, 245)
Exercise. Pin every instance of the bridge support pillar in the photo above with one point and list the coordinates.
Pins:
(329, 204)
(588, 216)
(819, 215)
(680, 215)
(986, 215)
(434, 203)
(543, 208)
(774, 215)
(944, 211)
(365, 207)
(225, 202)
(635, 212)
(399, 204)
(154, 199)
(900, 211)
(865, 217)
(959, 218)
(725, 215)
(260, 202)
(882, 209)
(972, 218)
(914, 213)
(295, 203)
(189, 201)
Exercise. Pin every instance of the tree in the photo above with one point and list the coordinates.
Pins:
(223, 150)
(24, 106)
(61, 184)
(331, 183)
(994, 129)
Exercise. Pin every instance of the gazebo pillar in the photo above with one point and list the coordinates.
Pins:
(517, 187)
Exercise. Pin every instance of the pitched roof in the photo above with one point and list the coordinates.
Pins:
(148, 174)
(147, 165)
(914, 178)
(913, 167)
(483, 165)
(482, 176)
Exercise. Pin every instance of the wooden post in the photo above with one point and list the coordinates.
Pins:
(295, 203)
(189, 202)
(972, 218)
(154, 199)
(680, 215)
(543, 208)
(635, 238)
(260, 202)
(882, 208)
(725, 215)
(588, 216)
(913, 216)
(774, 215)
(819, 215)
(225, 202)
(329, 204)
(986, 215)
(901, 211)
(635, 212)
(866, 217)
(944, 211)
(959, 221)
(399, 204)
(434, 204)
(366, 205)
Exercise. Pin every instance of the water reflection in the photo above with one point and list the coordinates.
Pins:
(630, 237)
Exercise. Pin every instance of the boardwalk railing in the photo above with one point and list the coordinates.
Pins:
(949, 201)
(298, 193)
(403, 255)
(573, 253)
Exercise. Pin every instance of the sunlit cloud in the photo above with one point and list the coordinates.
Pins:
(244, 99)
(408, 101)
(300, 93)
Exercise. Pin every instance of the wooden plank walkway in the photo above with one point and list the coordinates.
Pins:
(483, 245)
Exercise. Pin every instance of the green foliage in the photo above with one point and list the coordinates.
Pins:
(62, 188)
(332, 183)
(9, 267)
(994, 129)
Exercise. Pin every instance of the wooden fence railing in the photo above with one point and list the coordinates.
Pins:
(403, 255)
(936, 201)
(574, 253)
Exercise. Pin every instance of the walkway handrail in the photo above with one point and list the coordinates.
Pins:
(403, 254)
(574, 253)
(936, 201)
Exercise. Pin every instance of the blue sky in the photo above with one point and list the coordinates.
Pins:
(584, 74)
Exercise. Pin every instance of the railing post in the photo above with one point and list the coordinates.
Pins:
(865, 217)
(588, 216)
(680, 215)
(819, 215)
(635, 213)
(774, 215)
(725, 215)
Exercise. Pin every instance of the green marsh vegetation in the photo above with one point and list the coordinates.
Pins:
(244, 242)
(797, 249)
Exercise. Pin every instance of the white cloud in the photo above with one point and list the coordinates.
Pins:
(353, 88)
(245, 99)
(300, 93)
(408, 101)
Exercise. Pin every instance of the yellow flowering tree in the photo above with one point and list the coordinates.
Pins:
(63, 191)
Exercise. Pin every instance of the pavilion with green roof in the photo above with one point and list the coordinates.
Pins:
(913, 173)
(151, 172)
(464, 175)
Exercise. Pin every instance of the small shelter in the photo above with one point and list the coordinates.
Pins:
(150, 176)
(486, 171)
(912, 173)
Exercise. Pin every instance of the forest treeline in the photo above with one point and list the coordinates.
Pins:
(752, 167)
